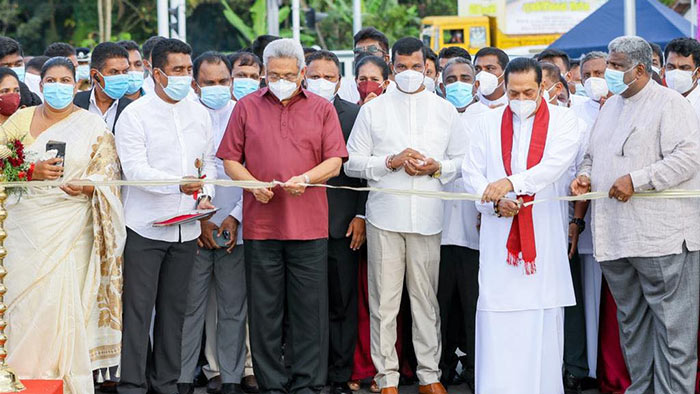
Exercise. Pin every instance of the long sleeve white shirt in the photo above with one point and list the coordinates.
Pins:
(157, 140)
(229, 200)
(389, 124)
(587, 111)
(502, 286)
(461, 219)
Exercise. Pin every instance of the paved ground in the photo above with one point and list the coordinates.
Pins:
(461, 389)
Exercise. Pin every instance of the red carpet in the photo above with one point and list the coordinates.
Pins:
(43, 387)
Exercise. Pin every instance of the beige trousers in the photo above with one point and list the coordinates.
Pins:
(391, 256)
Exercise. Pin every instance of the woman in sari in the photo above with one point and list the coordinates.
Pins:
(64, 244)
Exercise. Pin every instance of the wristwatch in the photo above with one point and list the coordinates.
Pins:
(438, 173)
(580, 223)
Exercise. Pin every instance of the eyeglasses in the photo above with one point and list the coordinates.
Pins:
(372, 49)
(274, 77)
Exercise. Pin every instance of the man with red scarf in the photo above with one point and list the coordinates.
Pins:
(517, 154)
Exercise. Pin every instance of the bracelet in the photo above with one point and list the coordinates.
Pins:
(495, 208)
(30, 172)
(388, 161)
(307, 180)
(580, 223)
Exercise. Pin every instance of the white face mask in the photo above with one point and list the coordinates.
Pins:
(596, 88)
(429, 84)
(523, 108)
(322, 87)
(547, 98)
(487, 83)
(409, 81)
(283, 89)
(679, 80)
(656, 70)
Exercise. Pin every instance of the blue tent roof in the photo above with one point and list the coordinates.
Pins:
(655, 23)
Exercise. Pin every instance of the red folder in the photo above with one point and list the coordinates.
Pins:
(184, 217)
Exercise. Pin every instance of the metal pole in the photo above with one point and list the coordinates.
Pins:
(693, 19)
(630, 18)
(356, 16)
(273, 18)
(163, 19)
(296, 35)
(182, 20)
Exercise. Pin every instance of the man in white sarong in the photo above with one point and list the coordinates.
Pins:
(520, 152)
(593, 66)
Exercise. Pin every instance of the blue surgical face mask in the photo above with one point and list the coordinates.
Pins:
(82, 72)
(215, 97)
(115, 85)
(178, 86)
(244, 86)
(616, 80)
(135, 81)
(580, 90)
(20, 71)
(459, 93)
(58, 95)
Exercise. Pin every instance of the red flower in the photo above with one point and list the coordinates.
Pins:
(21, 175)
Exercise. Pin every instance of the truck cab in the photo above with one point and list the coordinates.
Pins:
(470, 32)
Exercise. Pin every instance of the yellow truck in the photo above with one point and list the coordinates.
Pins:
(475, 32)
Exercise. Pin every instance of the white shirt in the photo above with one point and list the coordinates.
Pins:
(694, 98)
(461, 217)
(389, 124)
(157, 140)
(587, 111)
(148, 86)
(504, 287)
(576, 99)
(228, 199)
(109, 115)
(497, 103)
(32, 81)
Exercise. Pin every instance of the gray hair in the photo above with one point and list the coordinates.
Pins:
(637, 50)
(592, 56)
(456, 60)
(284, 48)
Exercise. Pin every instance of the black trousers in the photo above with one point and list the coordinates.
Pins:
(295, 274)
(156, 274)
(342, 297)
(575, 349)
(458, 292)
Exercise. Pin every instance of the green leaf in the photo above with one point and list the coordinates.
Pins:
(238, 23)
(284, 14)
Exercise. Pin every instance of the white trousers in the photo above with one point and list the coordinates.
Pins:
(592, 278)
(520, 352)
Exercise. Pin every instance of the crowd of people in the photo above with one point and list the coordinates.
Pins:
(292, 288)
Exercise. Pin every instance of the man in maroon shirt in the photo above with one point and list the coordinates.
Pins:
(285, 133)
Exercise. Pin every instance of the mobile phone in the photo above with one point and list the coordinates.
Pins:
(223, 239)
(60, 147)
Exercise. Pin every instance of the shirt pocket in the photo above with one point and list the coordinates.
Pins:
(637, 143)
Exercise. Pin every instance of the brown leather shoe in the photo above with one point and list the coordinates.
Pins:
(390, 390)
(433, 388)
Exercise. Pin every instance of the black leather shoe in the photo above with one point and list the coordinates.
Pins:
(340, 388)
(249, 385)
(214, 385)
(185, 388)
(578, 385)
(231, 388)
